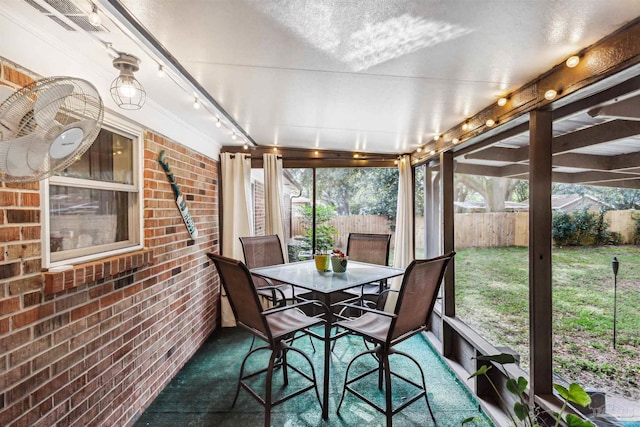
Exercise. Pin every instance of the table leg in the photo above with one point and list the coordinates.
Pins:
(327, 358)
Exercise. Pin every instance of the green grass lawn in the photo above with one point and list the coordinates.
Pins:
(492, 297)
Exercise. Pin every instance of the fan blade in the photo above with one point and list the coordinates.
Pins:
(49, 102)
(22, 156)
(70, 138)
(5, 92)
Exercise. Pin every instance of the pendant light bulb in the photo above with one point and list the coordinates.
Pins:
(161, 72)
(218, 123)
(572, 61)
(196, 104)
(94, 18)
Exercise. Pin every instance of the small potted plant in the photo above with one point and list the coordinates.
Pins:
(339, 261)
(322, 259)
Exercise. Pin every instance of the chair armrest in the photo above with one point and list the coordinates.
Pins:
(367, 309)
(274, 289)
(298, 305)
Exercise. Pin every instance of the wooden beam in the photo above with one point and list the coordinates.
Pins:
(540, 288)
(605, 132)
(596, 176)
(448, 231)
(583, 161)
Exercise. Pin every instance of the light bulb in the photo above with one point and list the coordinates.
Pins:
(218, 123)
(94, 18)
(550, 94)
(161, 72)
(127, 90)
(196, 104)
(502, 101)
(436, 137)
(432, 152)
(246, 147)
(233, 135)
(419, 149)
(465, 126)
(455, 141)
(572, 61)
(490, 123)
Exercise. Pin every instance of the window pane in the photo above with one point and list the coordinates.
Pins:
(82, 218)
(109, 159)
(299, 245)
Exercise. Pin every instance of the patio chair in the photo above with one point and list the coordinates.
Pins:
(263, 251)
(416, 299)
(373, 249)
(274, 326)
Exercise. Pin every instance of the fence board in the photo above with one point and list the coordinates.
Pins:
(480, 230)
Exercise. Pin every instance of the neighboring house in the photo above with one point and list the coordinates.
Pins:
(291, 189)
(559, 202)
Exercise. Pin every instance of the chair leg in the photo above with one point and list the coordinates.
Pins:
(242, 372)
(387, 379)
(285, 374)
(424, 384)
(268, 383)
(346, 377)
(313, 373)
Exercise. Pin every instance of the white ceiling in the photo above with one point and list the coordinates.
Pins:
(371, 75)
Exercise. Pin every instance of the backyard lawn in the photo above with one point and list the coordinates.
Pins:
(492, 297)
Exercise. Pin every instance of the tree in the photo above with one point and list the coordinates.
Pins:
(493, 190)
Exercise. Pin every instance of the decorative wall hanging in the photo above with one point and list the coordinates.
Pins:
(180, 202)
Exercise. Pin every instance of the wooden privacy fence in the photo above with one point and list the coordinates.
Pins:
(480, 230)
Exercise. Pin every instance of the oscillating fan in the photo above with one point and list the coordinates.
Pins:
(47, 125)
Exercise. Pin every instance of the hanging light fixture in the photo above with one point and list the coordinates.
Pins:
(126, 91)
(94, 18)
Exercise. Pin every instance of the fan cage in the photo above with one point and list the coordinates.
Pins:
(39, 112)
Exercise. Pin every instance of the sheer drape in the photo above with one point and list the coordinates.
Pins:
(273, 203)
(236, 214)
(403, 252)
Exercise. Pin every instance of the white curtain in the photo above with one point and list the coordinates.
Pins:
(273, 202)
(236, 214)
(403, 252)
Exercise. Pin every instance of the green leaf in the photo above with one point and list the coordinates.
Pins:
(575, 394)
(502, 358)
(518, 386)
(521, 410)
(482, 371)
(575, 421)
(468, 420)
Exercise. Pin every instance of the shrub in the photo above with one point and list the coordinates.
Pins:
(582, 228)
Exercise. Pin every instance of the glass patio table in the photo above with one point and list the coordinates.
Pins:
(326, 284)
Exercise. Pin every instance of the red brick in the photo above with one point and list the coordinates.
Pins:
(31, 299)
(19, 216)
(9, 305)
(14, 340)
(28, 351)
(27, 284)
(30, 199)
(23, 250)
(27, 386)
(14, 375)
(4, 327)
(84, 310)
(32, 315)
(111, 299)
(8, 198)
(9, 234)
(31, 232)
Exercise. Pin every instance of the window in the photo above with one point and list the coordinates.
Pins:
(93, 205)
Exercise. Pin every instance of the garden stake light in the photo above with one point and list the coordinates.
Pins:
(615, 264)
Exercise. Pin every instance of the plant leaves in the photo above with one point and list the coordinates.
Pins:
(575, 421)
(520, 410)
(482, 371)
(468, 420)
(502, 358)
(575, 394)
(518, 386)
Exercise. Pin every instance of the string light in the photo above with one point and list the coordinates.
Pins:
(196, 104)
(465, 126)
(161, 72)
(572, 61)
(94, 18)
(502, 101)
(419, 149)
(218, 123)
(550, 94)
(436, 137)
(490, 123)
(233, 135)
(455, 141)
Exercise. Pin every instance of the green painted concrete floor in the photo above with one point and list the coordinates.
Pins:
(202, 392)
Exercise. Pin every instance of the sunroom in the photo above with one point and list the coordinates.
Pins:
(507, 132)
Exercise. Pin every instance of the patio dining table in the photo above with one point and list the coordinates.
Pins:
(325, 285)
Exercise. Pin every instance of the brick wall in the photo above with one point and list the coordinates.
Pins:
(96, 344)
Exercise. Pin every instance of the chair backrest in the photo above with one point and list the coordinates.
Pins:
(261, 251)
(418, 293)
(243, 298)
(371, 248)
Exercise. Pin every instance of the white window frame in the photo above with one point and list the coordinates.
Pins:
(135, 133)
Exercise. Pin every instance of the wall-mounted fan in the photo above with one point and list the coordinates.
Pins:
(45, 126)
